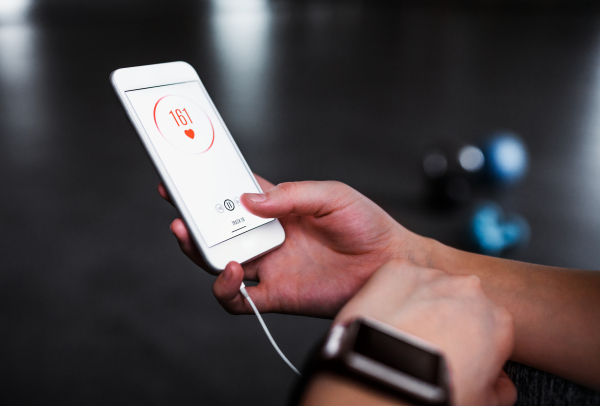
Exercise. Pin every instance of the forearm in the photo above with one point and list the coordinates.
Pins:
(556, 311)
(330, 390)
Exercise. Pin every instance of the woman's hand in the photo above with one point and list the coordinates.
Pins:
(335, 239)
(451, 312)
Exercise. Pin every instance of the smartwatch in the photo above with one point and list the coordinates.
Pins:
(383, 357)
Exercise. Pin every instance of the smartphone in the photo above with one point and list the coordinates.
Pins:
(197, 160)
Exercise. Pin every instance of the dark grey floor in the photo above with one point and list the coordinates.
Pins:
(97, 304)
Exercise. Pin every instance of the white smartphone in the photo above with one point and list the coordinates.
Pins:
(197, 160)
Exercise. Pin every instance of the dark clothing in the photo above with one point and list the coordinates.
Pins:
(535, 387)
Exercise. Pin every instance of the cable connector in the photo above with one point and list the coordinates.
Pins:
(243, 291)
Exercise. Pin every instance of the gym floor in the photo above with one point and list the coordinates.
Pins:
(97, 303)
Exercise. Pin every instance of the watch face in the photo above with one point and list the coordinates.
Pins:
(397, 354)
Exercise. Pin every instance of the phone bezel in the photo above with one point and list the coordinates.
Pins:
(242, 248)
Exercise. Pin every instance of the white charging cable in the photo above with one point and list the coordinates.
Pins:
(264, 326)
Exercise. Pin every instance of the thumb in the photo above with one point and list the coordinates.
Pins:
(309, 198)
(226, 289)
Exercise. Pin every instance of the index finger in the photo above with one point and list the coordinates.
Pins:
(162, 191)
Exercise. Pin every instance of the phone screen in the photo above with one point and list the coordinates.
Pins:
(202, 161)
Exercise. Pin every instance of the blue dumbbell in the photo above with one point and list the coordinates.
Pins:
(492, 232)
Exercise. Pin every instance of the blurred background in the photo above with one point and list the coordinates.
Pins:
(97, 303)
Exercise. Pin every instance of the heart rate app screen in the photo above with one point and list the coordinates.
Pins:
(201, 159)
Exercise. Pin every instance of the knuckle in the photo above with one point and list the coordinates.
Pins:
(345, 192)
(464, 288)
(287, 188)
(473, 282)
(286, 193)
(340, 192)
(338, 185)
(469, 284)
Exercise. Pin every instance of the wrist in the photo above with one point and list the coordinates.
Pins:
(419, 250)
(429, 253)
(456, 262)
(328, 389)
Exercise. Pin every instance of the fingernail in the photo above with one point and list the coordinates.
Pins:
(227, 273)
(257, 197)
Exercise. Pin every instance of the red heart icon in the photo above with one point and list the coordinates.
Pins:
(189, 133)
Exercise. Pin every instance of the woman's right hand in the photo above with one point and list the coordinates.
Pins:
(451, 312)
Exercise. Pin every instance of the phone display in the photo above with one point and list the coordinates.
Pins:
(195, 148)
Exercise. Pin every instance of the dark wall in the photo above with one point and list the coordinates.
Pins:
(97, 304)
